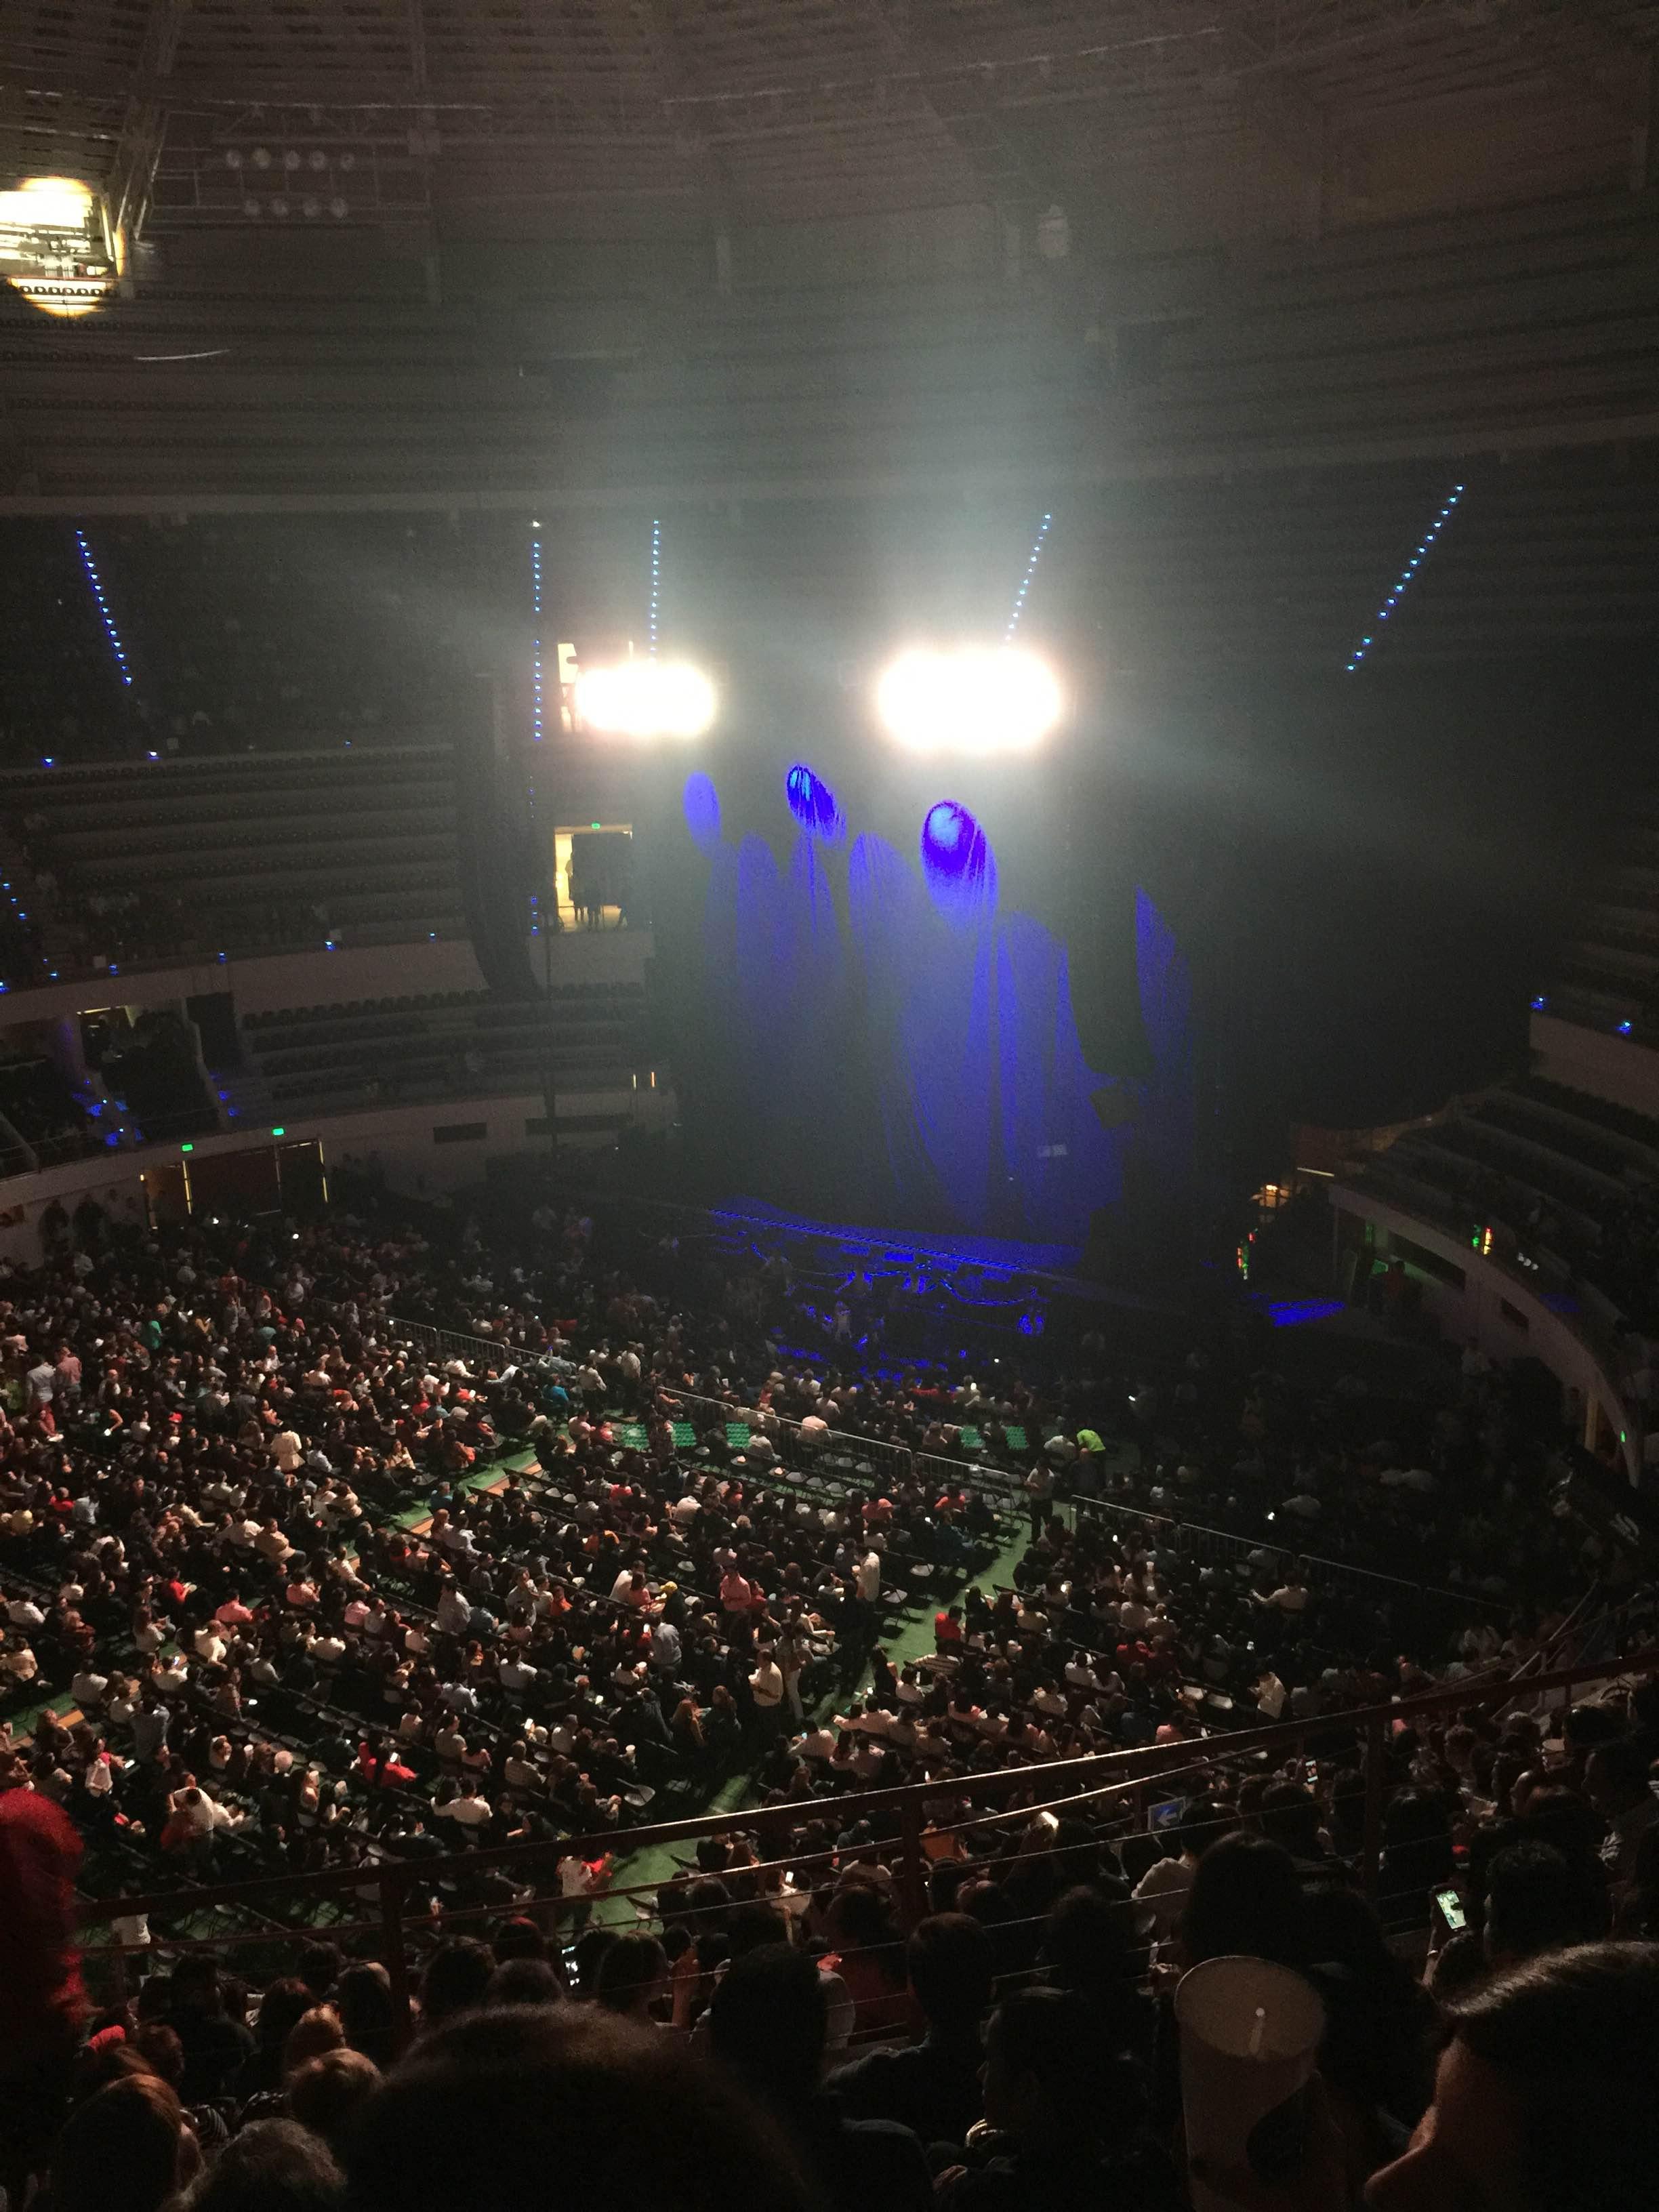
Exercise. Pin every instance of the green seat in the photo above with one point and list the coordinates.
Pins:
(1016, 1438)
(737, 1435)
(683, 1434)
(630, 1432)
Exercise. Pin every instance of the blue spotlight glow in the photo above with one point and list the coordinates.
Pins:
(701, 805)
(1624, 1029)
(104, 616)
(1025, 580)
(812, 802)
(1409, 574)
(957, 863)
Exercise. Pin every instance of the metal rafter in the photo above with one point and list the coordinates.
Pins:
(969, 122)
(651, 25)
(131, 178)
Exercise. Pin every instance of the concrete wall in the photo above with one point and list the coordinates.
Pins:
(1477, 1312)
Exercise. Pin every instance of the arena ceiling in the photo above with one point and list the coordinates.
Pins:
(593, 255)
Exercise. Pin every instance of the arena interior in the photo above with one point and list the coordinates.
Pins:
(829, 1105)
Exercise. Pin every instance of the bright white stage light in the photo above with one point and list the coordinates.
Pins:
(978, 699)
(646, 699)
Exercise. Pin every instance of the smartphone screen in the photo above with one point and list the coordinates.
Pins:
(1449, 1905)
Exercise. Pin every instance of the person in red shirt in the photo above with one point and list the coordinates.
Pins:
(43, 2001)
(947, 1630)
(380, 1766)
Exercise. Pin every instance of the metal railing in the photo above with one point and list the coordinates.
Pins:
(454, 1344)
(1220, 1547)
(1119, 1783)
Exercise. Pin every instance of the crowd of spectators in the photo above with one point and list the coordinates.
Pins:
(280, 1593)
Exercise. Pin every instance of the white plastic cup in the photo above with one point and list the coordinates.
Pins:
(1249, 2033)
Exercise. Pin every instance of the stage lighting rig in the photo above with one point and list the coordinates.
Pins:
(974, 699)
(646, 699)
(55, 248)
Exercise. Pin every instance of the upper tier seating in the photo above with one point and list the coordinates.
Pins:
(1565, 1181)
(319, 1059)
(1608, 978)
(237, 631)
(244, 853)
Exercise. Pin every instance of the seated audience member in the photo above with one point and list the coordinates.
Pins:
(1165, 1885)
(525, 1981)
(868, 1956)
(273, 2165)
(632, 1976)
(42, 2001)
(1066, 2117)
(126, 2149)
(932, 2087)
(767, 2023)
(325, 2092)
(1616, 1781)
(282, 2006)
(216, 2047)
(1246, 1897)
(363, 2001)
(1096, 1944)
(1544, 2101)
(1537, 1900)
(456, 1977)
(563, 2104)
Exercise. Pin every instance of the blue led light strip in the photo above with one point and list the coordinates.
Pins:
(1025, 580)
(537, 729)
(96, 582)
(656, 581)
(1407, 575)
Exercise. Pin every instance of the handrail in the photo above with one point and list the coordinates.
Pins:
(906, 1800)
(1230, 1537)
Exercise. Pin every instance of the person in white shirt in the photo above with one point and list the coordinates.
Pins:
(1290, 1597)
(469, 1810)
(869, 1577)
(578, 1884)
(766, 1686)
(1165, 1885)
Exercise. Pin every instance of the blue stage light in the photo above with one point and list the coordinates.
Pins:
(537, 728)
(1025, 585)
(1407, 575)
(110, 630)
(812, 802)
(701, 803)
(656, 583)
(957, 861)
